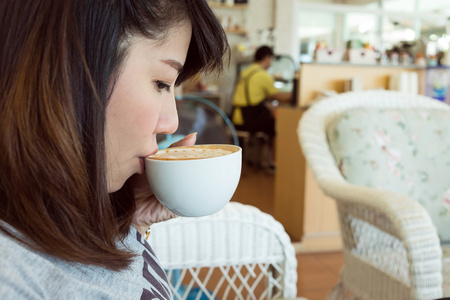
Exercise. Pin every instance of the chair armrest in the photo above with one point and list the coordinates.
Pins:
(399, 216)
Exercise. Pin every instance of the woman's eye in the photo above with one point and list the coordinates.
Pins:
(161, 85)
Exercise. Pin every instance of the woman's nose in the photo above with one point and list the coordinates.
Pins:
(168, 117)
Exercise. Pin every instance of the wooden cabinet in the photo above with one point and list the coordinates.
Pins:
(307, 215)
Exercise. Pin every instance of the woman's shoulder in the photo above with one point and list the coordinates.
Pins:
(13, 250)
(29, 274)
(19, 278)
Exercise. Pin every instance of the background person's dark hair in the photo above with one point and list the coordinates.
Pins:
(262, 52)
(58, 62)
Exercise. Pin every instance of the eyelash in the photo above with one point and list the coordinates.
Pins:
(161, 85)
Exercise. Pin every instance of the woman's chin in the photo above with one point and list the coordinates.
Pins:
(114, 188)
(116, 184)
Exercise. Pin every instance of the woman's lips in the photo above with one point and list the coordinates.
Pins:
(153, 153)
(142, 162)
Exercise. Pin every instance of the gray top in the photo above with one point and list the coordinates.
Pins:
(26, 274)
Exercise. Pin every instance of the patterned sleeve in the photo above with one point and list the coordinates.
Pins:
(158, 287)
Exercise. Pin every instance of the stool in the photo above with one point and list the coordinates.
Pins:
(252, 153)
(244, 140)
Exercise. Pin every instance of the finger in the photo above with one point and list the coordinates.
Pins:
(188, 140)
(150, 212)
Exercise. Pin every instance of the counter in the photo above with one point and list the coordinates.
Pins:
(308, 216)
(315, 77)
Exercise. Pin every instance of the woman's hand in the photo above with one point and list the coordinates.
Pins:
(148, 209)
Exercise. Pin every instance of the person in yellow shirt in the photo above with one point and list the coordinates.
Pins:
(254, 91)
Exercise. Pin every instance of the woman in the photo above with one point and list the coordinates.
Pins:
(85, 87)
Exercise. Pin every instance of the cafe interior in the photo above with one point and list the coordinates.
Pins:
(357, 203)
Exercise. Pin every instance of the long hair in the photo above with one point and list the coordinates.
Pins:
(59, 61)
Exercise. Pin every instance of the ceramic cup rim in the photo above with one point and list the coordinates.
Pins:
(237, 150)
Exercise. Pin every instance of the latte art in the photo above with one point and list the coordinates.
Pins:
(193, 152)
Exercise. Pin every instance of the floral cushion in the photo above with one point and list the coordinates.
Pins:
(400, 150)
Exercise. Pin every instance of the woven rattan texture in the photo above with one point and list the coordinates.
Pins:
(237, 253)
(391, 247)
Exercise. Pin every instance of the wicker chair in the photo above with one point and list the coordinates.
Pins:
(237, 253)
(391, 245)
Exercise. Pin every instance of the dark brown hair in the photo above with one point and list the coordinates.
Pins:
(262, 52)
(58, 62)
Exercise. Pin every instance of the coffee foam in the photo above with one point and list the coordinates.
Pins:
(192, 152)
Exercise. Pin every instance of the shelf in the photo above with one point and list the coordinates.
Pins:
(215, 5)
(375, 65)
(236, 31)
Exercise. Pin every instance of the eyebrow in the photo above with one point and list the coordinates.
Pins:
(174, 64)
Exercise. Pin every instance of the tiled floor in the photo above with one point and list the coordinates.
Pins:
(317, 272)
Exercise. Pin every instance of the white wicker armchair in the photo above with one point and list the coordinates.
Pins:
(237, 253)
(391, 247)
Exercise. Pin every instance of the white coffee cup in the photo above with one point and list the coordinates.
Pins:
(194, 181)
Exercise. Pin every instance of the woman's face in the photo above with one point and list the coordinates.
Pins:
(143, 103)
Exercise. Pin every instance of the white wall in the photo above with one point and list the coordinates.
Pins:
(286, 25)
(260, 17)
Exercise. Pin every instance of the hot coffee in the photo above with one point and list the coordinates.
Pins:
(194, 152)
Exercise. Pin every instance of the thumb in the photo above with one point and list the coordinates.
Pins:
(188, 140)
